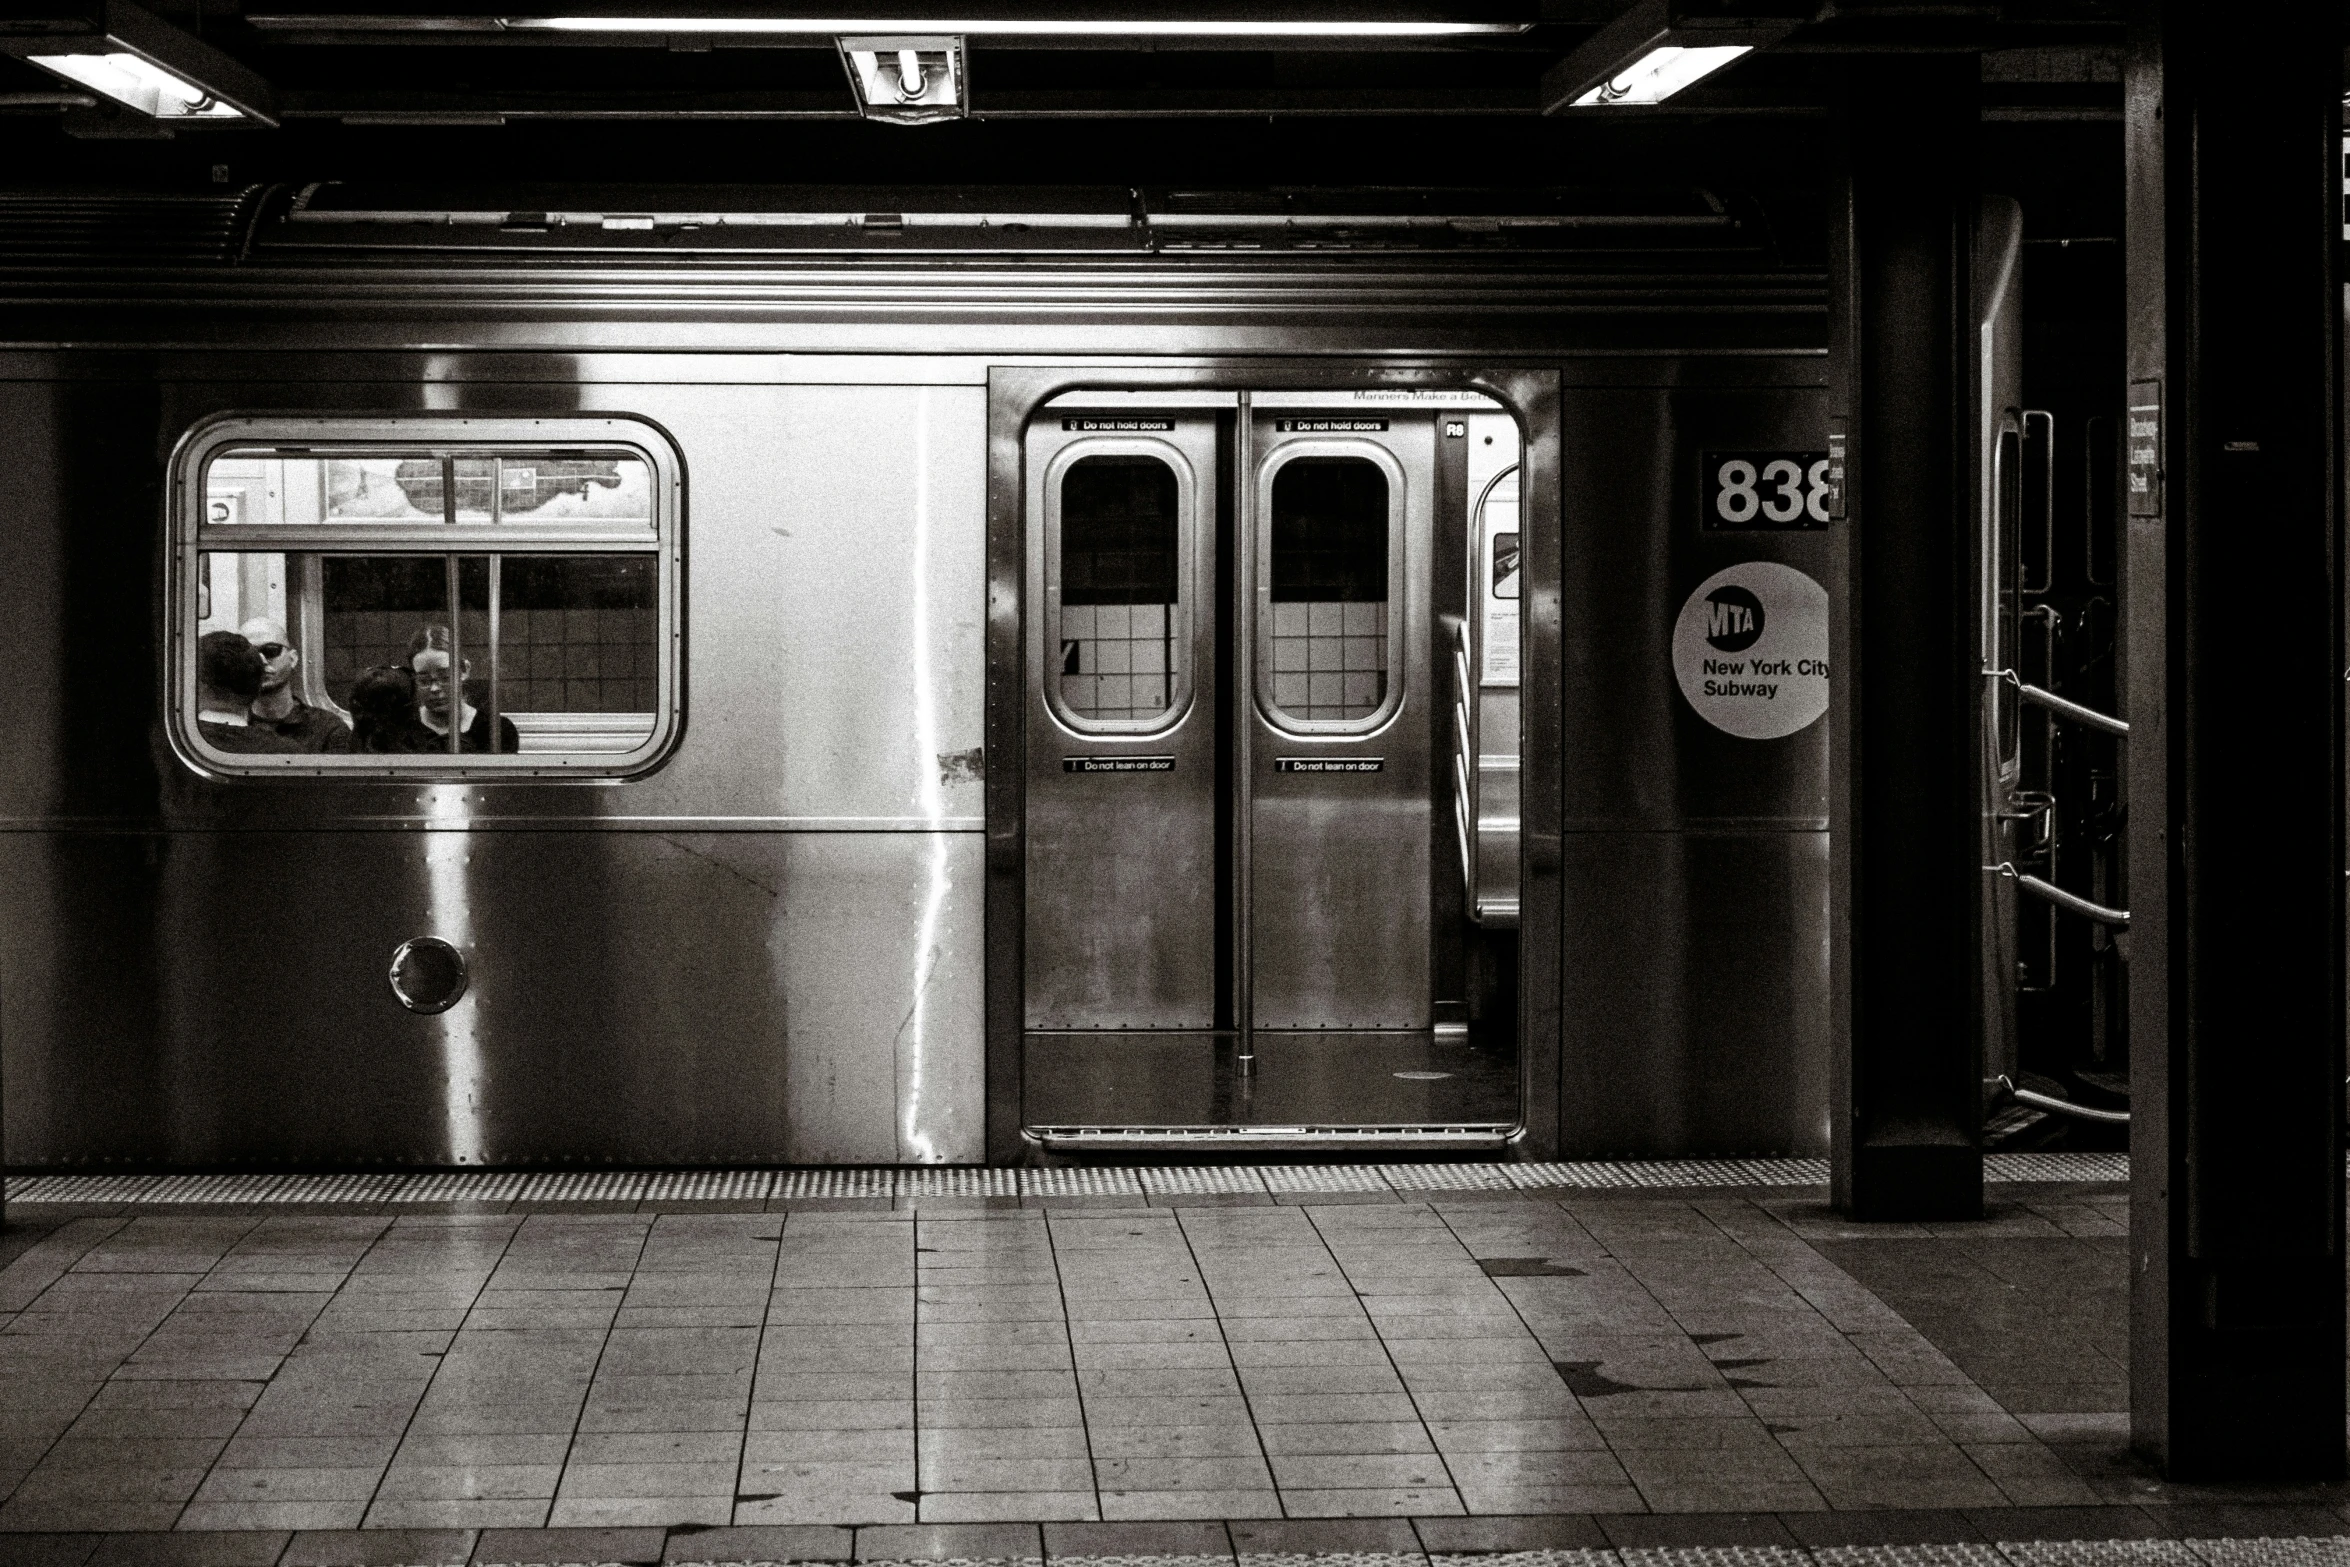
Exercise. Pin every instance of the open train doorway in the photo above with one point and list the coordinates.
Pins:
(1270, 727)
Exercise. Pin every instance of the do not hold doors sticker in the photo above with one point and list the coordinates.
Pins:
(1751, 650)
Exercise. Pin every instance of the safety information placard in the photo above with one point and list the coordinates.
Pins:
(1751, 650)
(1328, 764)
(1117, 764)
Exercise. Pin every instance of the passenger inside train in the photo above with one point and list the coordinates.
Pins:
(429, 653)
(277, 707)
(229, 673)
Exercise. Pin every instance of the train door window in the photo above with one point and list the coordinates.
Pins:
(449, 598)
(1331, 542)
(1116, 600)
(2005, 567)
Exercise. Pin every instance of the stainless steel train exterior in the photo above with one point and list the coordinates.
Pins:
(768, 903)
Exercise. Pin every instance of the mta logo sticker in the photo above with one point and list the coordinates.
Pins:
(1750, 650)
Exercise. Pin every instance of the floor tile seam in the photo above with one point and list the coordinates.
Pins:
(99, 1384)
(742, 1448)
(1068, 1346)
(1452, 1481)
(408, 1426)
(1247, 1405)
(112, 1226)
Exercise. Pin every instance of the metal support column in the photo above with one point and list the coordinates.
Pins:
(1907, 1110)
(2233, 669)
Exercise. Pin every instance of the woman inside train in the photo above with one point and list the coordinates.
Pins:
(437, 694)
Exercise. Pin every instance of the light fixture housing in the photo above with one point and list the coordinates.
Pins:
(1659, 47)
(1019, 21)
(142, 62)
(915, 79)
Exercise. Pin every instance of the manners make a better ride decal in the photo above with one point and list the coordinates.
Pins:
(1751, 650)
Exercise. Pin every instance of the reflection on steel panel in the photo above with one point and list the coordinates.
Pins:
(635, 998)
(1694, 961)
(1323, 1078)
(1696, 994)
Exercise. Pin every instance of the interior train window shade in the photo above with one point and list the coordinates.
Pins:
(425, 597)
(1327, 658)
(1117, 633)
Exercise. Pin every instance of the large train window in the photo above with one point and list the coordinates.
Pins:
(433, 598)
(1119, 659)
(1332, 535)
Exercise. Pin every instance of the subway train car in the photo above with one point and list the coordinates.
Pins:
(896, 676)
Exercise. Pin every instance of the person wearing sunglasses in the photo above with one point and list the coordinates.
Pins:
(277, 709)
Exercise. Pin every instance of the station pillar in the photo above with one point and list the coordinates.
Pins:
(1906, 1111)
(2233, 668)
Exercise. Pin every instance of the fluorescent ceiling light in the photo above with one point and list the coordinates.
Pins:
(907, 80)
(1662, 72)
(143, 63)
(1658, 47)
(1008, 27)
(138, 84)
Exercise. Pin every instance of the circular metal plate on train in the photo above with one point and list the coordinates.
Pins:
(1751, 650)
(428, 975)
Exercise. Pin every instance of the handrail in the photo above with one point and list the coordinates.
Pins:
(2040, 1101)
(2070, 902)
(1464, 717)
(2062, 707)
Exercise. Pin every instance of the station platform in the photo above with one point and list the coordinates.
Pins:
(1408, 1365)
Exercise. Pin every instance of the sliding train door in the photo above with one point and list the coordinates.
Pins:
(1124, 726)
(1336, 777)
(1232, 711)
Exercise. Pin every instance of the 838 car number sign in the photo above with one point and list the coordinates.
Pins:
(1765, 490)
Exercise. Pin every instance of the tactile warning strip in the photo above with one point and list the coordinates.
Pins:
(1954, 1555)
(2056, 1167)
(1203, 1180)
(2302, 1552)
(959, 1181)
(462, 1186)
(1081, 1182)
(2102, 1553)
(936, 1182)
(1323, 1178)
(807, 1184)
(1603, 1174)
(1449, 1177)
(1715, 1556)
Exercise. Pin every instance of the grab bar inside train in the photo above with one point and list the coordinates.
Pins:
(2056, 1106)
(1487, 829)
(2070, 902)
(2062, 707)
(1464, 761)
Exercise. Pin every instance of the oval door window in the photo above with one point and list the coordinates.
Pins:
(1329, 573)
(428, 975)
(1120, 533)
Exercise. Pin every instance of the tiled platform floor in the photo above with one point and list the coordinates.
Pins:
(1624, 1363)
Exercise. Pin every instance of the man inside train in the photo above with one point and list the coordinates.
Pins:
(228, 678)
(437, 693)
(310, 728)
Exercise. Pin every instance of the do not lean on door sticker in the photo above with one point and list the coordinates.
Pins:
(1751, 650)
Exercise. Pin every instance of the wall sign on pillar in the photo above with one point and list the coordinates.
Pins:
(2145, 449)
